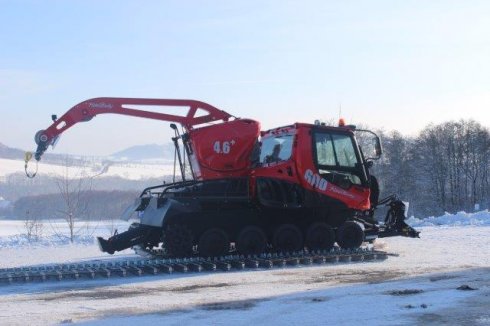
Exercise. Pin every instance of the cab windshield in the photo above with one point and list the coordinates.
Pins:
(337, 159)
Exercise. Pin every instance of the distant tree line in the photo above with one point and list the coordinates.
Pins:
(93, 205)
(446, 168)
(16, 186)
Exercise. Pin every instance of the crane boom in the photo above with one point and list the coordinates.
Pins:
(88, 109)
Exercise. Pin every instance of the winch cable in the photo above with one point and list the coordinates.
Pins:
(27, 158)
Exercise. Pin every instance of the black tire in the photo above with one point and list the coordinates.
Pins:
(288, 238)
(178, 240)
(320, 236)
(350, 235)
(251, 241)
(213, 243)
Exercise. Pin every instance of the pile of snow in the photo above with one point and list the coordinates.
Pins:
(459, 219)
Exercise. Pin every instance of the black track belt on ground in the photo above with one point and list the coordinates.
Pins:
(156, 265)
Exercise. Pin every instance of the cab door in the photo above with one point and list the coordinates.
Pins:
(337, 159)
(276, 180)
(329, 163)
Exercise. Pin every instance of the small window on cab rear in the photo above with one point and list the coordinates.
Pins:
(276, 149)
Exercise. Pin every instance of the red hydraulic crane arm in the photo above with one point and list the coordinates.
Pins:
(88, 109)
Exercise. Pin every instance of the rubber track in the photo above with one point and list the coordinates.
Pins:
(155, 265)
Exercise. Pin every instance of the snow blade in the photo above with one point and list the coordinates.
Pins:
(395, 220)
(136, 235)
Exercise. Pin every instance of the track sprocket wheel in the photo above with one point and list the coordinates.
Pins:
(178, 240)
(251, 241)
(288, 238)
(350, 235)
(213, 243)
(320, 236)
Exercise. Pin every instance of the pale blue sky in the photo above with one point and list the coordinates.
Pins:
(391, 64)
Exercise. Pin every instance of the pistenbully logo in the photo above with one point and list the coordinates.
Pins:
(100, 105)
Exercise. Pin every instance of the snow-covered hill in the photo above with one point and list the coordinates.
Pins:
(126, 170)
(4, 203)
(11, 153)
(134, 163)
(146, 153)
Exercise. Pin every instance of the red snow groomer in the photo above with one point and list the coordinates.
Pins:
(297, 186)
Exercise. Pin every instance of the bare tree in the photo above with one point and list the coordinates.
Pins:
(445, 168)
(73, 186)
(455, 156)
(33, 226)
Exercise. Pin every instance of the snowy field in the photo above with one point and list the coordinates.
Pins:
(419, 286)
(130, 171)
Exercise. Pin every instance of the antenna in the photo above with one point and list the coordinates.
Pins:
(340, 110)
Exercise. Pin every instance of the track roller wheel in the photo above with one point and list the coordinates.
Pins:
(251, 241)
(214, 243)
(288, 238)
(320, 236)
(350, 235)
(178, 240)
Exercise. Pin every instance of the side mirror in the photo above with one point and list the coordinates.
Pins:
(370, 144)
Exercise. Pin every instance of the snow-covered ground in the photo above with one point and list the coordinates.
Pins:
(419, 286)
(131, 171)
(54, 245)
